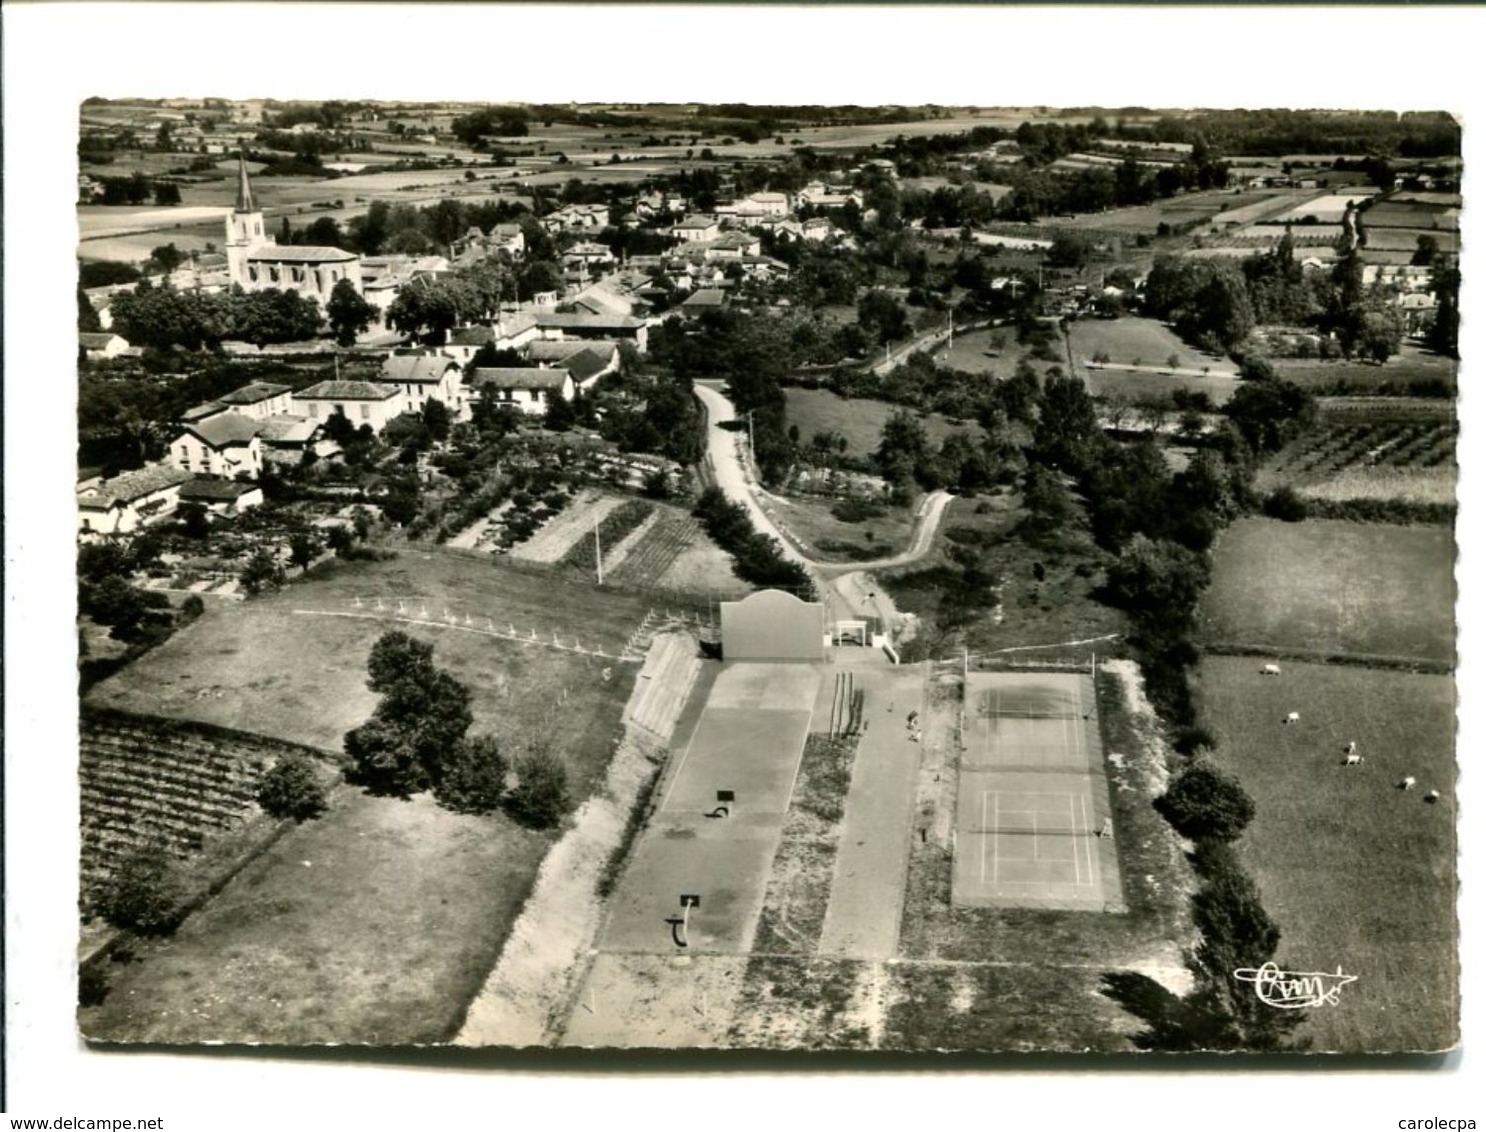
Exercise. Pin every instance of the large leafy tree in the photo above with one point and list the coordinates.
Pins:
(1205, 802)
(348, 312)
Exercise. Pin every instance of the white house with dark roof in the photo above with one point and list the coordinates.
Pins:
(224, 445)
(102, 345)
(255, 262)
(423, 375)
(695, 228)
(130, 501)
(360, 402)
(528, 390)
(259, 400)
(220, 496)
(287, 438)
(622, 328)
(585, 361)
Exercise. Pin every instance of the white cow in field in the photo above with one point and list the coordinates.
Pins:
(1407, 783)
(1432, 796)
(1353, 760)
(1270, 670)
(1292, 717)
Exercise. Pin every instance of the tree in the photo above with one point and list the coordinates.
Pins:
(128, 609)
(1067, 434)
(541, 797)
(1204, 802)
(141, 893)
(88, 321)
(559, 417)
(348, 312)
(882, 317)
(1269, 413)
(291, 788)
(1426, 252)
(1069, 250)
(384, 759)
(303, 549)
(437, 419)
(1443, 336)
(903, 450)
(168, 257)
(167, 193)
(473, 779)
(262, 571)
(1157, 580)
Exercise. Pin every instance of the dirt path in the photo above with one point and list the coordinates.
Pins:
(527, 995)
(872, 858)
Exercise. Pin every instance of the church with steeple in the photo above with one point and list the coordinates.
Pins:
(255, 261)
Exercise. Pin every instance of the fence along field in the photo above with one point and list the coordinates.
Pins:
(1356, 871)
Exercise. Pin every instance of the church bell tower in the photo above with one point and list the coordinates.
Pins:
(244, 230)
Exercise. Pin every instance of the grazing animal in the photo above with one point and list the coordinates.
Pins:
(1432, 796)
(1270, 670)
(1407, 783)
(1292, 717)
(1352, 760)
(1350, 748)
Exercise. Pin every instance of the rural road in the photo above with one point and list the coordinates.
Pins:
(843, 580)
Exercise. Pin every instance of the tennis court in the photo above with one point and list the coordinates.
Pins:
(1032, 821)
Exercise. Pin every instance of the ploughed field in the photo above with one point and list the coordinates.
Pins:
(1329, 588)
(1357, 872)
(1358, 450)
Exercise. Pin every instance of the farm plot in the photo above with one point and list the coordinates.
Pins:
(1139, 342)
(1333, 588)
(647, 559)
(232, 666)
(1357, 873)
(1371, 454)
(554, 539)
(1412, 368)
(376, 924)
(859, 420)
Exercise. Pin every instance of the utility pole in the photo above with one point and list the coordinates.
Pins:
(598, 552)
(753, 458)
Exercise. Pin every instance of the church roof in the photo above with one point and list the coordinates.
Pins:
(273, 253)
(244, 190)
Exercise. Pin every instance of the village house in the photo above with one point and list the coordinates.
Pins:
(577, 218)
(130, 501)
(98, 347)
(585, 362)
(565, 327)
(527, 390)
(696, 228)
(258, 400)
(286, 439)
(225, 444)
(587, 255)
(360, 402)
(709, 298)
(221, 496)
(426, 374)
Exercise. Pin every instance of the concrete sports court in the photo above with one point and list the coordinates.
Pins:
(747, 742)
(1032, 797)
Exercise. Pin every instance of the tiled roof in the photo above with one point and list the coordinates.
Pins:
(707, 297)
(698, 222)
(544, 350)
(346, 391)
(205, 409)
(285, 429)
(471, 336)
(275, 254)
(225, 428)
(254, 392)
(587, 363)
(92, 341)
(422, 368)
(133, 485)
(210, 489)
(507, 377)
(589, 321)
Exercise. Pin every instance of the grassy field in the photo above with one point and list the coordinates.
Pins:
(1410, 367)
(1137, 342)
(859, 420)
(262, 666)
(1227, 204)
(1334, 588)
(994, 353)
(809, 521)
(1355, 871)
(376, 924)
(1025, 609)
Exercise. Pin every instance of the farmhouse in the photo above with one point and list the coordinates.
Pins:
(225, 444)
(528, 390)
(707, 299)
(577, 218)
(621, 328)
(586, 362)
(695, 228)
(360, 402)
(131, 500)
(287, 438)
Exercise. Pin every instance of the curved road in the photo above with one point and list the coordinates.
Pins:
(846, 581)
